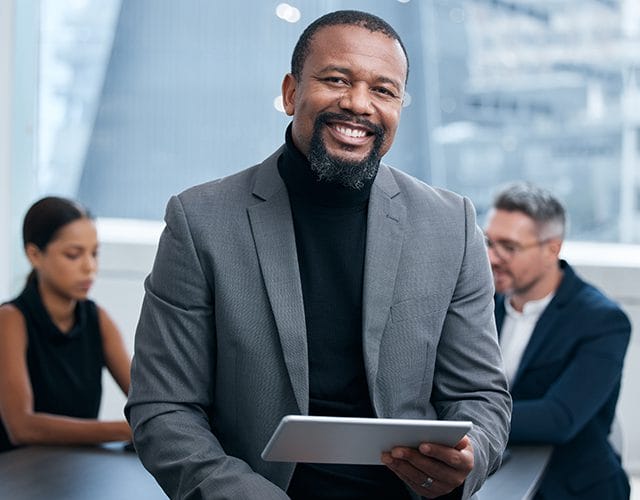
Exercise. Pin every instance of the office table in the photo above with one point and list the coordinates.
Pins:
(75, 473)
(110, 473)
(519, 476)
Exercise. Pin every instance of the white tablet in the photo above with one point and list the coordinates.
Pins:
(342, 440)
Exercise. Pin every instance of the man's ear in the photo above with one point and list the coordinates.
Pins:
(555, 245)
(289, 85)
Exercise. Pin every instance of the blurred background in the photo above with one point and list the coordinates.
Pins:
(121, 104)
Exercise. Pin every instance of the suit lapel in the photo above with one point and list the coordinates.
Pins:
(273, 233)
(384, 243)
(545, 326)
(499, 312)
(538, 340)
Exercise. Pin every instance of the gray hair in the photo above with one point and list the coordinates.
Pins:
(537, 203)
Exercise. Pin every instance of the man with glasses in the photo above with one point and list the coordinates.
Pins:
(563, 345)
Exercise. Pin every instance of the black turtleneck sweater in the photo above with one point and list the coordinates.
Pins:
(330, 223)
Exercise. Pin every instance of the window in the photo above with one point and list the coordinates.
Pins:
(138, 100)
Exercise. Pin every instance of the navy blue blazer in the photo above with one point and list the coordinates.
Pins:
(566, 389)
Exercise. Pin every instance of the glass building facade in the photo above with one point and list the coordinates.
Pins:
(138, 100)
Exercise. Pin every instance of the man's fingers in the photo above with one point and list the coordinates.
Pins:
(424, 465)
(460, 457)
(425, 484)
(432, 469)
(463, 443)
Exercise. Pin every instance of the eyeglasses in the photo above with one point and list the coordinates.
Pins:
(507, 250)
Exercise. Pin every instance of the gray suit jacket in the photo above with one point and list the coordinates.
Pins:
(221, 351)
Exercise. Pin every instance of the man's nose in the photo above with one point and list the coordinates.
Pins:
(494, 258)
(357, 99)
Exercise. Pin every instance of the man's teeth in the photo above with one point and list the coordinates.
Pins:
(350, 131)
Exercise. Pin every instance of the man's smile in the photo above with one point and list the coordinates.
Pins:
(350, 131)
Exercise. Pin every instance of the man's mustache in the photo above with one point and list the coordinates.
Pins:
(328, 117)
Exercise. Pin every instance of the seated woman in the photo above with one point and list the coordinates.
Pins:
(54, 341)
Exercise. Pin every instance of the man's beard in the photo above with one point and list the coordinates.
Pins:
(516, 286)
(351, 174)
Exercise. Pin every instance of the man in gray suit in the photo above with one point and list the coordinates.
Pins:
(320, 282)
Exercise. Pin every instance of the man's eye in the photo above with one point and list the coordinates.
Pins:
(509, 247)
(72, 256)
(334, 79)
(384, 91)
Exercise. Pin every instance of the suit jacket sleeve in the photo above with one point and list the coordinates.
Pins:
(469, 383)
(172, 384)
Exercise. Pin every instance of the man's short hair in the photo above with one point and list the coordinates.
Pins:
(337, 18)
(537, 203)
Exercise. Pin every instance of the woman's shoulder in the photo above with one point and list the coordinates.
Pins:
(105, 321)
(12, 320)
(10, 312)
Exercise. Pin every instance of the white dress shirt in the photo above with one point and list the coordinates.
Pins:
(516, 332)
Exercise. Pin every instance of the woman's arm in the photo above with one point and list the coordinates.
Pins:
(23, 425)
(116, 356)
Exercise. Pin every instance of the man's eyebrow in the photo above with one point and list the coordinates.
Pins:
(339, 69)
(395, 83)
(501, 240)
(348, 72)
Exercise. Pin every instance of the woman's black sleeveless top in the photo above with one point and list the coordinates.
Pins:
(65, 368)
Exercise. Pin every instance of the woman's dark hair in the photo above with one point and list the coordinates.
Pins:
(46, 218)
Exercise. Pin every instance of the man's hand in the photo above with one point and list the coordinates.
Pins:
(432, 470)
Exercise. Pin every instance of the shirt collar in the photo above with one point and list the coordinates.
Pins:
(531, 308)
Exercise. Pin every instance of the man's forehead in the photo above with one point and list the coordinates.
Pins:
(331, 32)
(338, 29)
(513, 220)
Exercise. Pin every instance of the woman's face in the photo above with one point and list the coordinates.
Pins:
(67, 266)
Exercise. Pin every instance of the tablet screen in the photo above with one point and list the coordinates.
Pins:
(343, 440)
